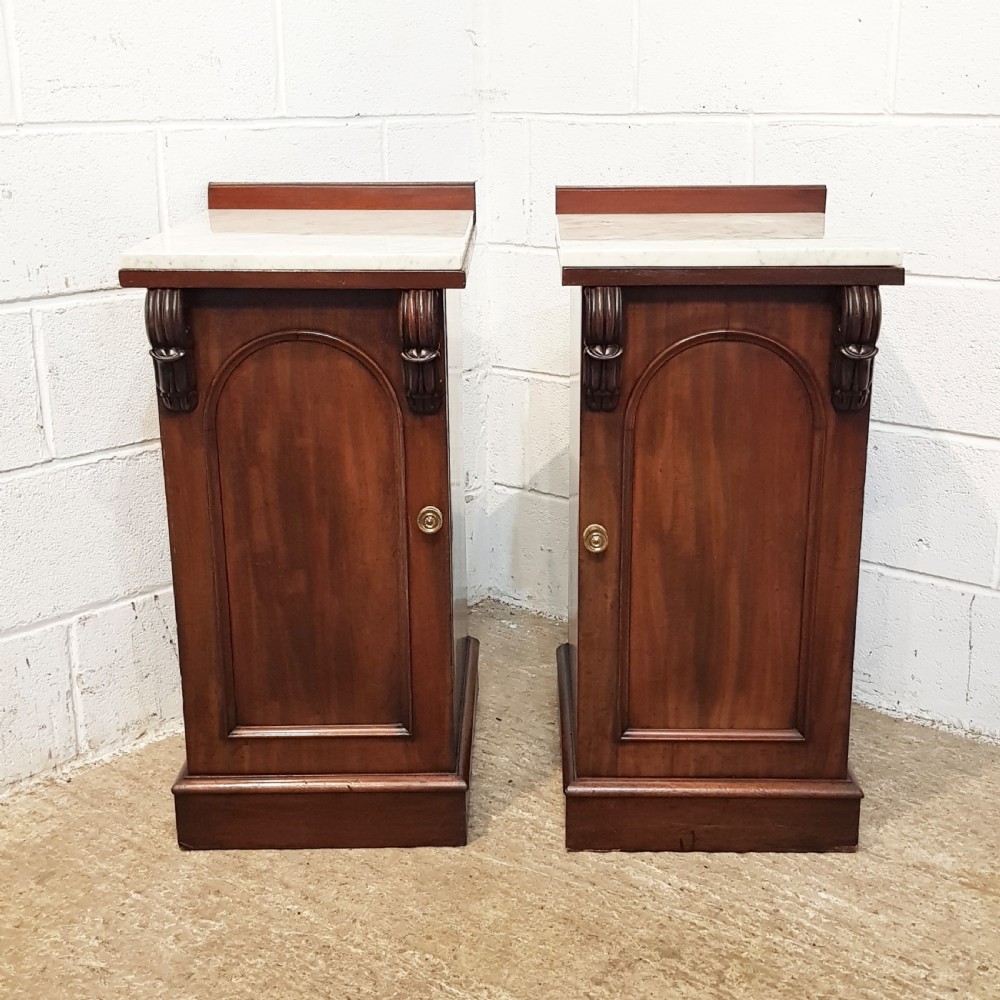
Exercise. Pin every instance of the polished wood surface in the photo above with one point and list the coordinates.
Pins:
(696, 199)
(692, 814)
(716, 519)
(134, 278)
(292, 496)
(329, 682)
(383, 196)
(308, 487)
(766, 276)
(335, 811)
(712, 646)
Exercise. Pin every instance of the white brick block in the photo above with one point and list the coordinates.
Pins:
(927, 188)
(529, 433)
(529, 550)
(69, 203)
(477, 536)
(983, 683)
(22, 440)
(931, 506)
(120, 61)
(432, 150)
(525, 311)
(37, 730)
(127, 677)
(478, 346)
(559, 56)
(6, 95)
(470, 302)
(380, 57)
(939, 356)
(947, 58)
(340, 151)
(502, 194)
(475, 440)
(928, 650)
(102, 393)
(783, 55)
(627, 153)
(82, 534)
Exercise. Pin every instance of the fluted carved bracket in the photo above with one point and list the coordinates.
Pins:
(602, 348)
(854, 347)
(172, 350)
(421, 329)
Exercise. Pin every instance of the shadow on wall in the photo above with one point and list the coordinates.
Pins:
(928, 636)
(528, 534)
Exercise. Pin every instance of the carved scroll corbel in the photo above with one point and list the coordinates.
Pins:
(421, 329)
(172, 349)
(602, 347)
(854, 347)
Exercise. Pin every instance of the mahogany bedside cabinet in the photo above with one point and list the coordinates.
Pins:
(305, 344)
(727, 353)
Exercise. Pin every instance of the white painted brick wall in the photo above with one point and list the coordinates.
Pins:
(22, 442)
(778, 56)
(113, 117)
(377, 58)
(118, 61)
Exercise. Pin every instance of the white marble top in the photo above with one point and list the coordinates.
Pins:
(786, 239)
(297, 240)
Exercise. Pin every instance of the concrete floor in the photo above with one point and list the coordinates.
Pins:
(97, 902)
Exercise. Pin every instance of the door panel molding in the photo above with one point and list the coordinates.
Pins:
(401, 681)
(796, 731)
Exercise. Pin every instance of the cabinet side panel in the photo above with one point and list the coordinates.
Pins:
(456, 484)
(308, 446)
(576, 319)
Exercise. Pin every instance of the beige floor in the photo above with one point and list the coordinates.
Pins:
(97, 902)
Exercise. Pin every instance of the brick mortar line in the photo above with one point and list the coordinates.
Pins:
(278, 23)
(892, 56)
(67, 298)
(74, 461)
(918, 576)
(763, 118)
(40, 359)
(160, 173)
(13, 58)
(527, 489)
(97, 607)
(967, 439)
(995, 577)
(128, 126)
(528, 373)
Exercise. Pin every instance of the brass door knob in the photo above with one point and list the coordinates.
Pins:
(429, 520)
(595, 538)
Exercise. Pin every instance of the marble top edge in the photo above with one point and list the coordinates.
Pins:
(694, 226)
(309, 240)
(794, 239)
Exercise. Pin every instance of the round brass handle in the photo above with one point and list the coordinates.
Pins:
(429, 520)
(595, 538)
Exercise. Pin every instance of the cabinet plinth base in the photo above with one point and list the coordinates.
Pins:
(701, 814)
(324, 811)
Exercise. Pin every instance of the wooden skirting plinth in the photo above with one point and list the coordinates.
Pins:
(318, 811)
(701, 814)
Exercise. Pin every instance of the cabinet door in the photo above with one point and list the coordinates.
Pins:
(314, 615)
(716, 630)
